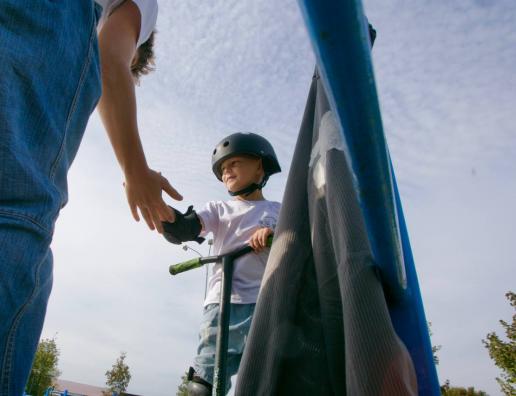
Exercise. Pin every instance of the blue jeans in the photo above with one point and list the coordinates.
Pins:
(240, 319)
(49, 85)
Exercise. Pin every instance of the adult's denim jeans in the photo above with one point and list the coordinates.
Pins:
(49, 85)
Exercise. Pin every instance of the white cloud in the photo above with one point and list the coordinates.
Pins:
(446, 81)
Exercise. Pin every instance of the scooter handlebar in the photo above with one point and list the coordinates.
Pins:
(175, 269)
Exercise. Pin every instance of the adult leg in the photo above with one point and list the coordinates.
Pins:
(49, 85)
(25, 284)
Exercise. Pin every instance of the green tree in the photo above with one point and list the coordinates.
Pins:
(435, 348)
(44, 369)
(182, 390)
(447, 390)
(117, 379)
(504, 352)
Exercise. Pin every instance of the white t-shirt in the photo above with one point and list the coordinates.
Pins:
(232, 224)
(148, 12)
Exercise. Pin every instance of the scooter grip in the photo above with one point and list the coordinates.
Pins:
(269, 240)
(185, 266)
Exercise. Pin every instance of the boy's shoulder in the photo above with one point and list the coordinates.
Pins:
(212, 205)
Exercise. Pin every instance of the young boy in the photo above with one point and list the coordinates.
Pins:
(243, 162)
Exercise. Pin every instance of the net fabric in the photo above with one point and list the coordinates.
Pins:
(321, 324)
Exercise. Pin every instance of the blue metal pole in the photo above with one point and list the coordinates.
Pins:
(340, 39)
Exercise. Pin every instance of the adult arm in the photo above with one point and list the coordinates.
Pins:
(117, 108)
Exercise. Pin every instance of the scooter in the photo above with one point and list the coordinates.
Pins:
(227, 260)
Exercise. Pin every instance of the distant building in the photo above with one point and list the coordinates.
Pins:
(78, 389)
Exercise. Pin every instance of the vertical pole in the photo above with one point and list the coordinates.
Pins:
(219, 376)
(339, 36)
(340, 39)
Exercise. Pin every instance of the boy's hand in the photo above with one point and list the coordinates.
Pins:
(144, 193)
(259, 239)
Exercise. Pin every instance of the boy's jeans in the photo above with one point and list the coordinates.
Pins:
(49, 85)
(240, 319)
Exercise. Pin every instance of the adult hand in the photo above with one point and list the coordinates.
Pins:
(144, 194)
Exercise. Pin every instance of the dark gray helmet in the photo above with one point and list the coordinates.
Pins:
(245, 143)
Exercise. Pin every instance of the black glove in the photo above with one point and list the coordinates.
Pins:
(187, 227)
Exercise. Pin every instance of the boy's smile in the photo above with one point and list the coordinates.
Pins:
(240, 171)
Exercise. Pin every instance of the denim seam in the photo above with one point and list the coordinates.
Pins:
(9, 348)
(21, 216)
(75, 98)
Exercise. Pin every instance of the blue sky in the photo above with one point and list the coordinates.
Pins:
(447, 88)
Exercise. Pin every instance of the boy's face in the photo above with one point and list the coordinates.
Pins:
(240, 171)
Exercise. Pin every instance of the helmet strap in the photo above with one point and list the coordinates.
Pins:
(250, 188)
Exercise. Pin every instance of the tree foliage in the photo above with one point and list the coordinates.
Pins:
(182, 390)
(504, 352)
(44, 369)
(117, 379)
(447, 390)
(435, 348)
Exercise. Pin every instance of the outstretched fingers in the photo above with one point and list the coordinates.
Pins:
(171, 191)
(166, 213)
(134, 210)
(156, 218)
(147, 216)
(144, 195)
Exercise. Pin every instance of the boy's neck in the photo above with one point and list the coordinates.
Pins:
(256, 195)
